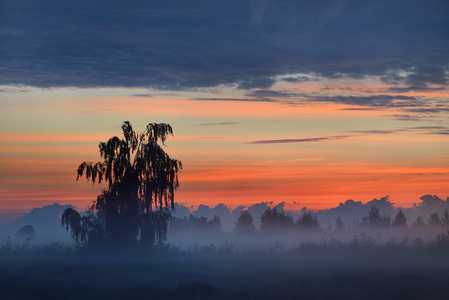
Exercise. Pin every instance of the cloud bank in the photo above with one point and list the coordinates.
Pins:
(188, 44)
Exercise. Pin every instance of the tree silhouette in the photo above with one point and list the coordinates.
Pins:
(339, 223)
(245, 223)
(141, 179)
(26, 232)
(434, 220)
(419, 222)
(272, 219)
(308, 221)
(400, 220)
(445, 218)
(374, 218)
(197, 223)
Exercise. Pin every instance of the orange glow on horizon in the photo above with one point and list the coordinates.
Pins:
(340, 152)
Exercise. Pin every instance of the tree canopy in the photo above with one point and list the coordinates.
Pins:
(245, 223)
(139, 198)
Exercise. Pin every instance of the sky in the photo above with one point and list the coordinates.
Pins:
(309, 103)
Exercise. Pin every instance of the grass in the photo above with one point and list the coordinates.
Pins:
(330, 269)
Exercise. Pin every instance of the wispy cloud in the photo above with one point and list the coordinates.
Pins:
(363, 102)
(305, 140)
(357, 133)
(233, 99)
(379, 100)
(443, 132)
(365, 132)
(406, 117)
(427, 128)
(142, 95)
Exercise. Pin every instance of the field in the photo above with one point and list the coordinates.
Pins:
(312, 271)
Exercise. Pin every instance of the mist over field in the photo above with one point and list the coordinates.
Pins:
(189, 227)
(203, 259)
(356, 250)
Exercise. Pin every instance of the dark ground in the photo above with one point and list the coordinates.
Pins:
(223, 274)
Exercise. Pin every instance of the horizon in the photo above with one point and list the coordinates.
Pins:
(428, 204)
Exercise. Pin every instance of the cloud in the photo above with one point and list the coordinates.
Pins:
(428, 110)
(296, 79)
(421, 129)
(268, 94)
(142, 95)
(407, 104)
(405, 117)
(385, 100)
(427, 127)
(423, 88)
(377, 131)
(353, 211)
(443, 132)
(233, 99)
(290, 141)
(258, 82)
(355, 133)
(177, 44)
(363, 101)
(359, 108)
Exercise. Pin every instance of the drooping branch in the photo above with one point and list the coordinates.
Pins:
(141, 180)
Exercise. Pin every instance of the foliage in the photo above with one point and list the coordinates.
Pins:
(445, 219)
(441, 242)
(400, 220)
(308, 221)
(419, 222)
(26, 231)
(272, 219)
(245, 223)
(375, 219)
(339, 224)
(434, 220)
(195, 223)
(141, 179)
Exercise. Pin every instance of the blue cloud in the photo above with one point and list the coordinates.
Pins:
(185, 44)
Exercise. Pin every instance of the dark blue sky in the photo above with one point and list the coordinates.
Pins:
(188, 44)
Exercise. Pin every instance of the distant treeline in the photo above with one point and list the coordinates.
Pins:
(274, 219)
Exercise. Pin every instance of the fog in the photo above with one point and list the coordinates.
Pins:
(358, 269)
(257, 252)
(46, 224)
(190, 227)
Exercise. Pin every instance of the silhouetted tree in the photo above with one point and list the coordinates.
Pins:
(308, 221)
(245, 223)
(195, 223)
(445, 219)
(86, 229)
(272, 219)
(339, 223)
(419, 222)
(216, 222)
(26, 232)
(374, 218)
(400, 220)
(137, 204)
(386, 220)
(434, 220)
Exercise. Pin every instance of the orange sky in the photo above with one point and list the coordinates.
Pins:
(306, 153)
